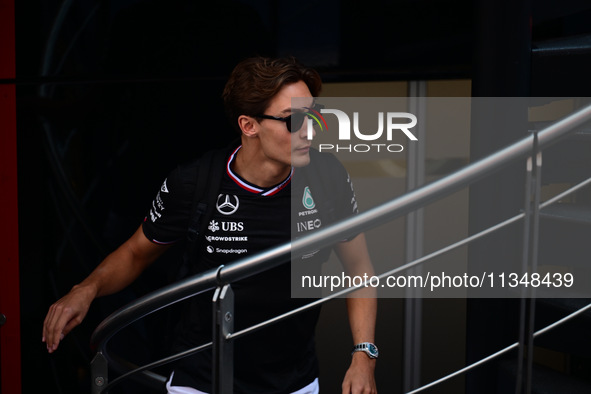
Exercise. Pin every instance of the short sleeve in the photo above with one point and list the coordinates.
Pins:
(346, 204)
(168, 217)
(338, 184)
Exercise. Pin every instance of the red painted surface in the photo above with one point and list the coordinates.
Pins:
(10, 349)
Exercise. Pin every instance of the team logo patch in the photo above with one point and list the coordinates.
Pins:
(307, 199)
(227, 204)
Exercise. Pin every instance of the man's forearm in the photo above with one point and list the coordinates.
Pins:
(124, 265)
(362, 317)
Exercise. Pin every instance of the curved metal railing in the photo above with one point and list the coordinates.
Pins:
(374, 217)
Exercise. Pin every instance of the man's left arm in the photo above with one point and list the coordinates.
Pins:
(362, 310)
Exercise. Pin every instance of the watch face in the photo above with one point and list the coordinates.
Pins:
(373, 350)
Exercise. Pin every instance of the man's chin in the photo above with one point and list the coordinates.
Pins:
(300, 160)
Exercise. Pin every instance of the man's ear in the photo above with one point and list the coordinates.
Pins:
(248, 125)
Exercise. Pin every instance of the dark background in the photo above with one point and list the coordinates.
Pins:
(111, 95)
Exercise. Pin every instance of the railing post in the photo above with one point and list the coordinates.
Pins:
(529, 266)
(223, 350)
(99, 373)
(413, 302)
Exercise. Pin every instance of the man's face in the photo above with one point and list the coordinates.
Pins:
(277, 142)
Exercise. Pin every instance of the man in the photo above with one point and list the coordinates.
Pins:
(253, 214)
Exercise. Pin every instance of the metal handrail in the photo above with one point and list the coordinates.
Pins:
(372, 218)
(341, 293)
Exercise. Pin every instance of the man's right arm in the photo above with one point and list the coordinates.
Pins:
(115, 272)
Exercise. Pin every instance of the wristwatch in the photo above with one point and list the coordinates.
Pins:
(368, 348)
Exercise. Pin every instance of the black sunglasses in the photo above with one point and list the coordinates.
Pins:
(294, 121)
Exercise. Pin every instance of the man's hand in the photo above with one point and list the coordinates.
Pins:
(65, 314)
(359, 378)
(113, 274)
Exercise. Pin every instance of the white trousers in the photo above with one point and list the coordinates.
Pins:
(312, 388)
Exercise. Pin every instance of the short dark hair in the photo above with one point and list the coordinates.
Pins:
(255, 81)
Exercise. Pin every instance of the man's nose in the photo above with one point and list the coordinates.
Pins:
(307, 130)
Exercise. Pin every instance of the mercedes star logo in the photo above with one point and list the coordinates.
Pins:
(227, 204)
